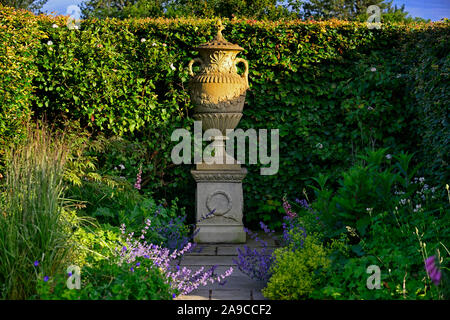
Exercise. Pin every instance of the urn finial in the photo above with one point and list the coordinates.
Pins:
(219, 36)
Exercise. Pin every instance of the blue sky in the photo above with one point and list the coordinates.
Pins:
(428, 9)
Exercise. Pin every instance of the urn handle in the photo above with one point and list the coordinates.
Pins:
(245, 74)
(191, 73)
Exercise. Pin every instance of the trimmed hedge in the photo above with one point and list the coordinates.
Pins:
(19, 42)
(332, 89)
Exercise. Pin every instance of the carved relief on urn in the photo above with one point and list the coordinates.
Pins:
(217, 90)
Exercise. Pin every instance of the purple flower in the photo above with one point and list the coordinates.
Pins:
(45, 278)
(183, 281)
(254, 263)
(69, 274)
(433, 272)
(138, 264)
(174, 295)
(132, 269)
(36, 263)
(265, 228)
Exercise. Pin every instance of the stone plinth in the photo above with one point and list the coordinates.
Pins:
(219, 190)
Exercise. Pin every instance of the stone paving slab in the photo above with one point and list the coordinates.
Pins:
(227, 251)
(206, 261)
(257, 295)
(238, 282)
(232, 251)
(236, 271)
(230, 295)
(238, 286)
(203, 250)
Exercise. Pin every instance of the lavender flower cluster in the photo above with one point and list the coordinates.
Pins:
(255, 263)
(175, 231)
(304, 204)
(182, 280)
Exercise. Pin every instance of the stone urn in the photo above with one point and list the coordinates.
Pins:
(217, 90)
(218, 93)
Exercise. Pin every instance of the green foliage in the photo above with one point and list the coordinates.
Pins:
(34, 225)
(108, 280)
(429, 85)
(95, 243)
(365, 188)
(381, 214)
(311, 80)
(19, 39)
(297, 273)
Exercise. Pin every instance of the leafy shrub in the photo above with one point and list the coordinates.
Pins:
(94, 243)
(364, 188)
(297, 273)
(405, 221)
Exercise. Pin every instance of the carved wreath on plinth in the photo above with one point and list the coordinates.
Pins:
(220, 212)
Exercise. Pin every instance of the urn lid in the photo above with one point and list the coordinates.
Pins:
(219, 42)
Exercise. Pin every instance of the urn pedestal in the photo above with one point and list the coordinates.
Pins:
(220, 192)
(218, 93)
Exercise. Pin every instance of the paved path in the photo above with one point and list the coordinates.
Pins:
(238, 286)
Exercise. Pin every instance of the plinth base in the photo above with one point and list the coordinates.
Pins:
(220, 234)
(220, 192)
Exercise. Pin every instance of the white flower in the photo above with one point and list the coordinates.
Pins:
(143, 40)
(115, 168)
(403, 201)
(373, 69)
(121, 166)
(55, 25)
(154, 44)
(370, 108)
(421, 179)
(389, 156)
(319, 145)
(50, 42)
(398, 76)
(418, 206)
(75, 27)
(369, 210)
(172, 66)
(164, 45)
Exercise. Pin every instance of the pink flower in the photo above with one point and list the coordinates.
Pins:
(287, 208)
(433, 272)
(137, 185)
